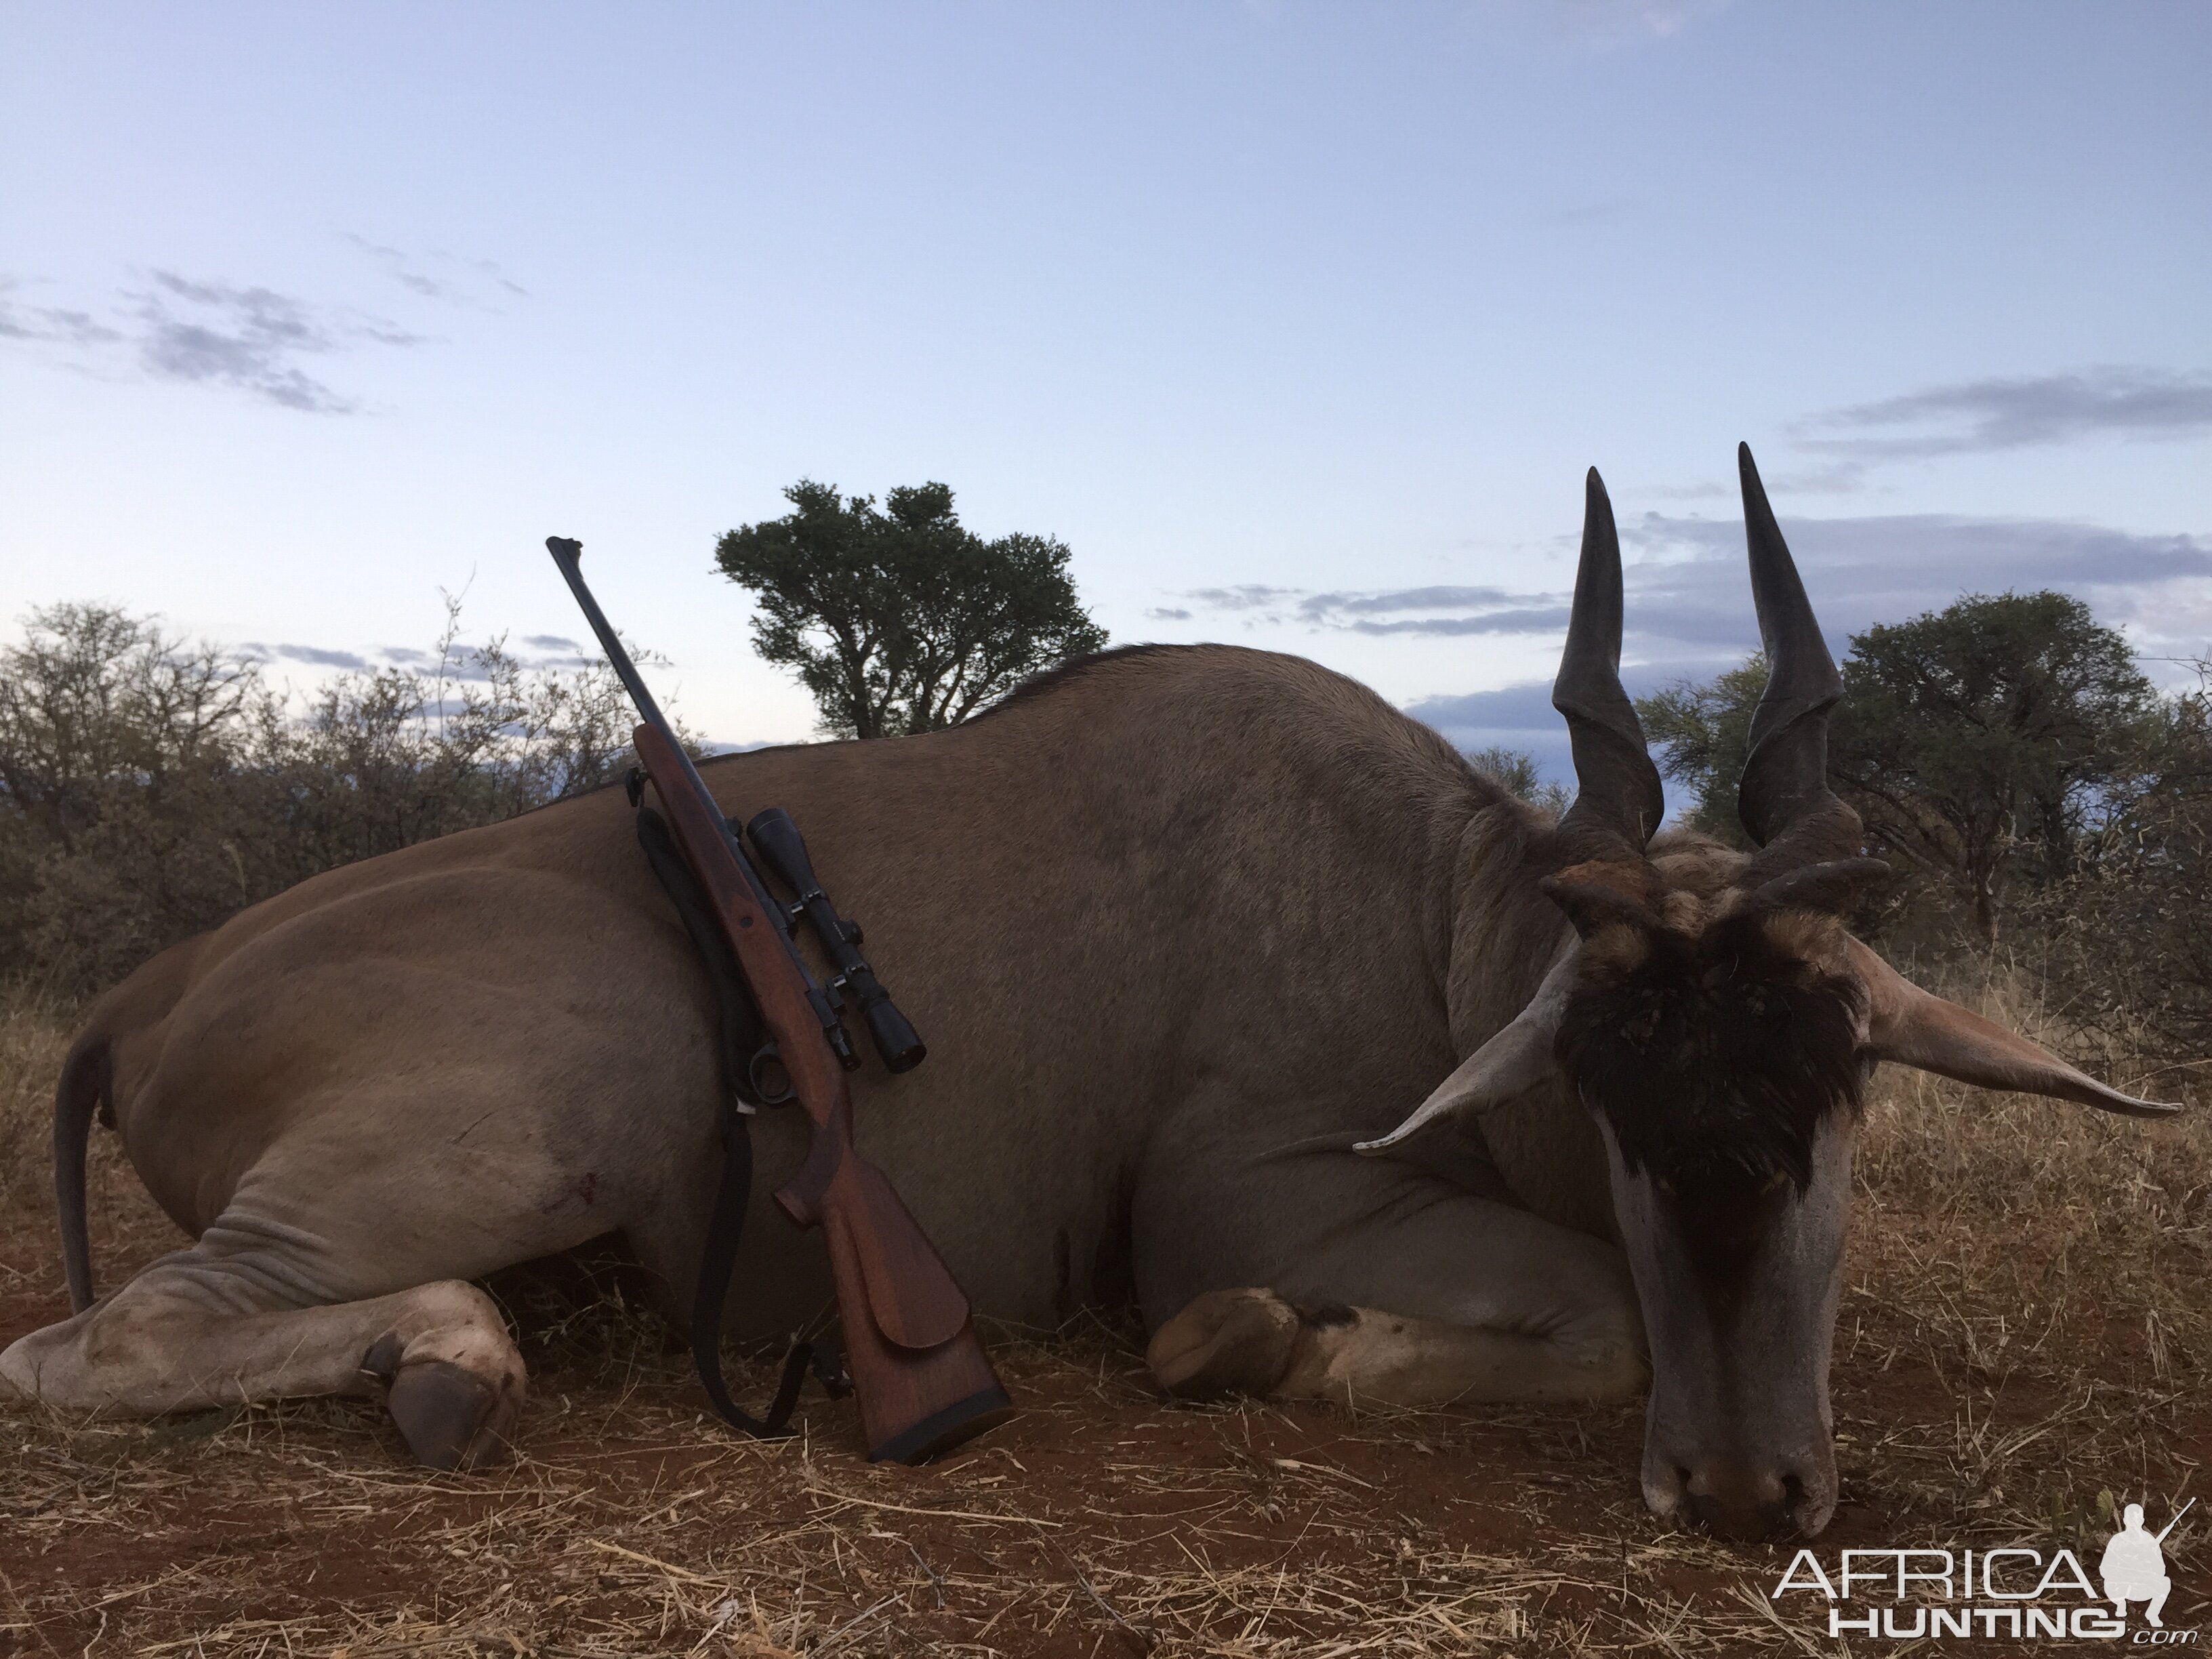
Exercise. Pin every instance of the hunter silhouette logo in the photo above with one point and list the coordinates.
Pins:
(2015, 1593)
(2133, 1567)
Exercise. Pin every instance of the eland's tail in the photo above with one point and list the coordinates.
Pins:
(87, 1078)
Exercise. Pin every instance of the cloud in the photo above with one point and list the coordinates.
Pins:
(1695, 492)
(1527, 619)
(49, 325)
(550, 652)
(1249, 597)
(1520, 717)
(395, 262)
(1690, 587)
(458, 281)
(492, 271)
(1689, 599)
(2015, 413)
(1689, 611)
(200, 331)
(1836, 478)
(1524, 708)
(1407, 599)
(247, 338)
(315, 655)
(1497, 609)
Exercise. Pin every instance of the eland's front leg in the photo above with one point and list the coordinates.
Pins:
(1339, 1276)
(1254, 1341)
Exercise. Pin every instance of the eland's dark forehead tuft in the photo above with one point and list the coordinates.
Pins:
(1714, 1057)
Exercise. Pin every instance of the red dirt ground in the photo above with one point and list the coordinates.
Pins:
(1101, 1521)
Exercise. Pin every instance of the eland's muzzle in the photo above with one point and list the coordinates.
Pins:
(1741, 1495)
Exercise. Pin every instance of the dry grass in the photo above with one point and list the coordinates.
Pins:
(2022, 1232)
(34, 1038)
(2027, 1324)
(2027, 1249)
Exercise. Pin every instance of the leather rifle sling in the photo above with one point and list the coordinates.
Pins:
(741, 1039)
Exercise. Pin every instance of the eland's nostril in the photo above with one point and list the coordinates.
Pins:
(1739, 1497)
(1809, 1499)
(1666, 1487)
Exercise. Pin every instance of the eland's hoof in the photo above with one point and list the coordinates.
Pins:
(1224, 1342)
(452, 1418)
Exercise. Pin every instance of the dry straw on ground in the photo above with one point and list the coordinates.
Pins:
(2027, 1326)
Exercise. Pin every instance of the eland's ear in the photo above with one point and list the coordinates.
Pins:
(1591, 905)
(1916, 1028)
(1830, 888)
(1510, 1064)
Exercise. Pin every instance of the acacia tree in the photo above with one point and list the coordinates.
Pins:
(1993, 735)
(1998, 729)
(899, 619)
(2125, 932)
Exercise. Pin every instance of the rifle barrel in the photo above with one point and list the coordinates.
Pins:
(2176, 1522)
(570, 555)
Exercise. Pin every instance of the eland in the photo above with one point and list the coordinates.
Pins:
(1188, 929)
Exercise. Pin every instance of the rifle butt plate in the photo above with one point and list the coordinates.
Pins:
(941, 1431)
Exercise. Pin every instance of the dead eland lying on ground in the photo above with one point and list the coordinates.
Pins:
(1187, 928)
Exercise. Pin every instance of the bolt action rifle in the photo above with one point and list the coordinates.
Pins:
(910, 1348)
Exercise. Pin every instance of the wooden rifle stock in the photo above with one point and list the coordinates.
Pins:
(923, 1380)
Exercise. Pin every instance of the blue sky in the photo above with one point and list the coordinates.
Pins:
(1298, 322)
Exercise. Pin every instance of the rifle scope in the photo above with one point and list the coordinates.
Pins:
(777, 840)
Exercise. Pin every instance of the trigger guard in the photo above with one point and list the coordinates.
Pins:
(767, 1096)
